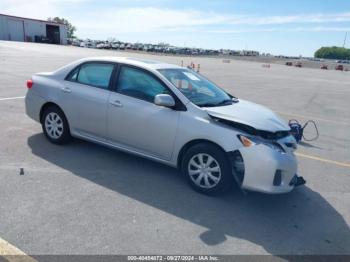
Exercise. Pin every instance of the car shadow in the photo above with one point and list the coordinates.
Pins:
(301, 222)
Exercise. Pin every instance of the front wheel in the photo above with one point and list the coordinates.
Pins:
(55, 125)
(207, 169)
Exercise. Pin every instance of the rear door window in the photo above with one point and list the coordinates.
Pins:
(95, 74)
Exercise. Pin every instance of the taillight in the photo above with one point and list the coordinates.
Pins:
(29, 83)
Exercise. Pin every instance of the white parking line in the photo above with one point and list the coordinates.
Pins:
(11, 253)
(342, 164)
(11, 98)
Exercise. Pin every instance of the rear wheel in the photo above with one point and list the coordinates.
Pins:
(55, 125)
(207, 169)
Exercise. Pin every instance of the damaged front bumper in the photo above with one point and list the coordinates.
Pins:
(297, 181)
(267, 170)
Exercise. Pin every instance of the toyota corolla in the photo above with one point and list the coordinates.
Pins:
(168, 114)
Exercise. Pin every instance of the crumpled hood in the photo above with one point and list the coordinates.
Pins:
(250, 114)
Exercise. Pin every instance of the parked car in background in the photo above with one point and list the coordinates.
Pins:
(122, 46)
(76, 42)
(107, 45)
(339, 67)
(163, 48)
(100, 45)
(343, 61)
(115, 45)
(298, 64)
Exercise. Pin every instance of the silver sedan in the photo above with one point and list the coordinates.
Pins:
(168, 114)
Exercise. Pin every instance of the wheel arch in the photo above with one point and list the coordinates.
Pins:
(190, 144)
(47, 105)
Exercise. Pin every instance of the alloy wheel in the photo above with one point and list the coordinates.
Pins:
(54, 125)
(204, 170)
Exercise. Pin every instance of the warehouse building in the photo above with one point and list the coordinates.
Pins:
(13, 28)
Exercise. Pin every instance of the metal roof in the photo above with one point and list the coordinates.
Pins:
(32, 19)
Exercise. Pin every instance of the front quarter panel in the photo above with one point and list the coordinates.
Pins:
(200, 126)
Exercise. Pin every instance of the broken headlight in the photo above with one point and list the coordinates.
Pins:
(251, 141)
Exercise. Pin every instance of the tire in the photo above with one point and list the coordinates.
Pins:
(59, 132)
(216, 172)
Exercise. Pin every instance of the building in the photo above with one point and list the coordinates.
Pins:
(13, 28)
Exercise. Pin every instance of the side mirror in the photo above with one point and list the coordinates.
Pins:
(164, 100)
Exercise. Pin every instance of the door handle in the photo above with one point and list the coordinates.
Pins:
(66, 90)
(116, 103)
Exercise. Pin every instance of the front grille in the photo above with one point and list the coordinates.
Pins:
(273, 135)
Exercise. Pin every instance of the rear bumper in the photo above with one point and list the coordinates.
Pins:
(269, 171)
(33, 105)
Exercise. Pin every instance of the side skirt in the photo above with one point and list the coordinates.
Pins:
(122, 148)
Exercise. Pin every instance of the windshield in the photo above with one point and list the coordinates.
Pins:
(196, 88)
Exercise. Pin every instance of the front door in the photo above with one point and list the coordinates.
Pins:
(134, 121)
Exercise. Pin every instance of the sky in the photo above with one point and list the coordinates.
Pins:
(296, 27)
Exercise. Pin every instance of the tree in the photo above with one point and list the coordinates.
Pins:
(333, 52)
(70, 28)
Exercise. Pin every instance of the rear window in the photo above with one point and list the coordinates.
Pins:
(73, 75)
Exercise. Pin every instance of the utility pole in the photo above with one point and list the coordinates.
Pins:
(346, 36)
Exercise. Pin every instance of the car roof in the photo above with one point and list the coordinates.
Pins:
(144, 63)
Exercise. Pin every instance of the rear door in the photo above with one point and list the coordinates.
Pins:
(84, 98)
(134, 121)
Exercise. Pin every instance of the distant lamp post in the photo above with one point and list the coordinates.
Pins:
(346, 36)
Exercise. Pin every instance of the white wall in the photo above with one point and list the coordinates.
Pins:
(33, 28)
(63, 34)
(3, 28)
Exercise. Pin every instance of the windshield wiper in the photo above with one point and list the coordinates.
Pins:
(207, 105)
(221, 103)
(225, 102)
